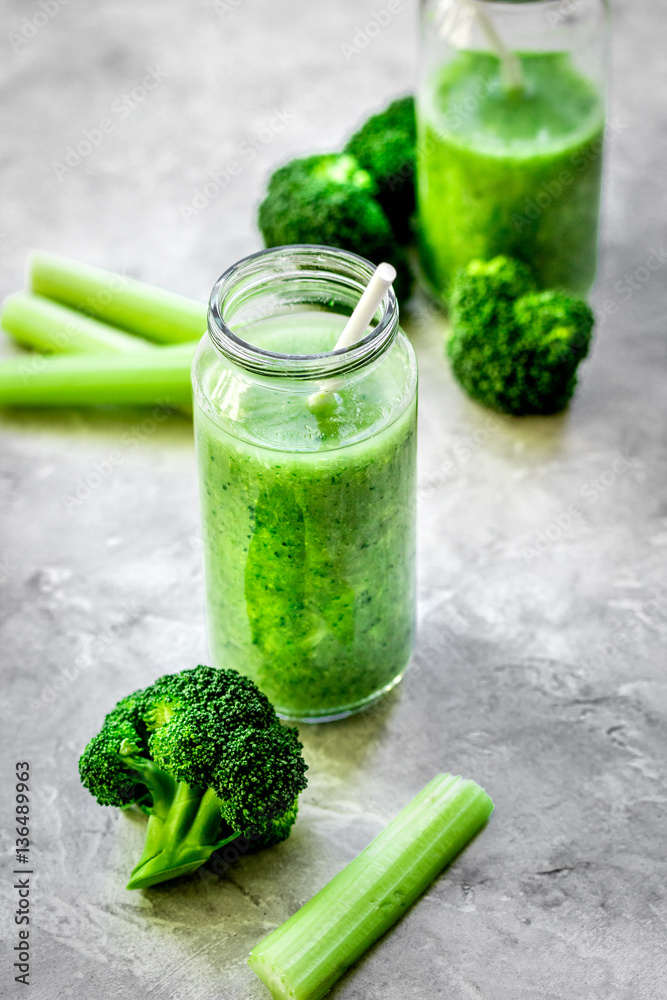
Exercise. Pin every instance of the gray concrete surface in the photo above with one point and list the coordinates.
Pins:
(540, 668)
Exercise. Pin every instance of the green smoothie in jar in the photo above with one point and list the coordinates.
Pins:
(308, 513)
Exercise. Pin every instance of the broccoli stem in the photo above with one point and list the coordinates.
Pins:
(205, 826)
(180, 836)
(304, 957)
(160, 784)
(36, 322)
(184, 825)
(143, 309)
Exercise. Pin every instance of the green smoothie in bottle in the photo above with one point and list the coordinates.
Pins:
(510, 122)
(504, 171)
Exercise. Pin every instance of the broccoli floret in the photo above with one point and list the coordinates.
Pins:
(556, 333)
(386, 146)
(205, 755)
(329, 200)
(512, 348)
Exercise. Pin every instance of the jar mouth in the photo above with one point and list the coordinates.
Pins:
(282, 280)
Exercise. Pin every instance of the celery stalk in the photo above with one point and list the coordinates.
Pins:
(34, 321)
(304, 957)
(160, 376)
(132, 305)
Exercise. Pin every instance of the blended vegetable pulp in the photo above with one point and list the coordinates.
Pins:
(309, 543)
(514, 173)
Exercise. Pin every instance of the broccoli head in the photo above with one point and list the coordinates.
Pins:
(386, 146)
(205, 755)
(513, 348)
(329, 200)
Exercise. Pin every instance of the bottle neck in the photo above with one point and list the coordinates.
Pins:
(280, 281)
(521, 25)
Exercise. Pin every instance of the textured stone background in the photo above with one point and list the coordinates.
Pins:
(541, 674)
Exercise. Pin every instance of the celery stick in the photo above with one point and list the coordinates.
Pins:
(144, 309)
(304, 957)
(160, 376)
(34, 321)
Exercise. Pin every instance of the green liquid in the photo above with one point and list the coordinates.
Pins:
(515, 174)
(309, 546)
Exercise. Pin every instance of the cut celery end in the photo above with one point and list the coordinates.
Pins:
(37, 322)
(303, 958)
(160, 376)
(143, 309)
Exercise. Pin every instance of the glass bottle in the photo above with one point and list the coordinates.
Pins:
(511, 121)
(306, 460)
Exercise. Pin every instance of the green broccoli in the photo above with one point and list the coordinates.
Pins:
(385, 146)
(513, 348)
(205, 755)
(329, 200)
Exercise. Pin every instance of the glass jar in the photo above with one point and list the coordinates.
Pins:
(306, 459)
(511, 118)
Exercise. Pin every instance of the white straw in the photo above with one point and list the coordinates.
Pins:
(359, 321)
(510, 65)
(367, 305)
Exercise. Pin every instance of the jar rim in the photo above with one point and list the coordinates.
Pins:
(302, 260)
